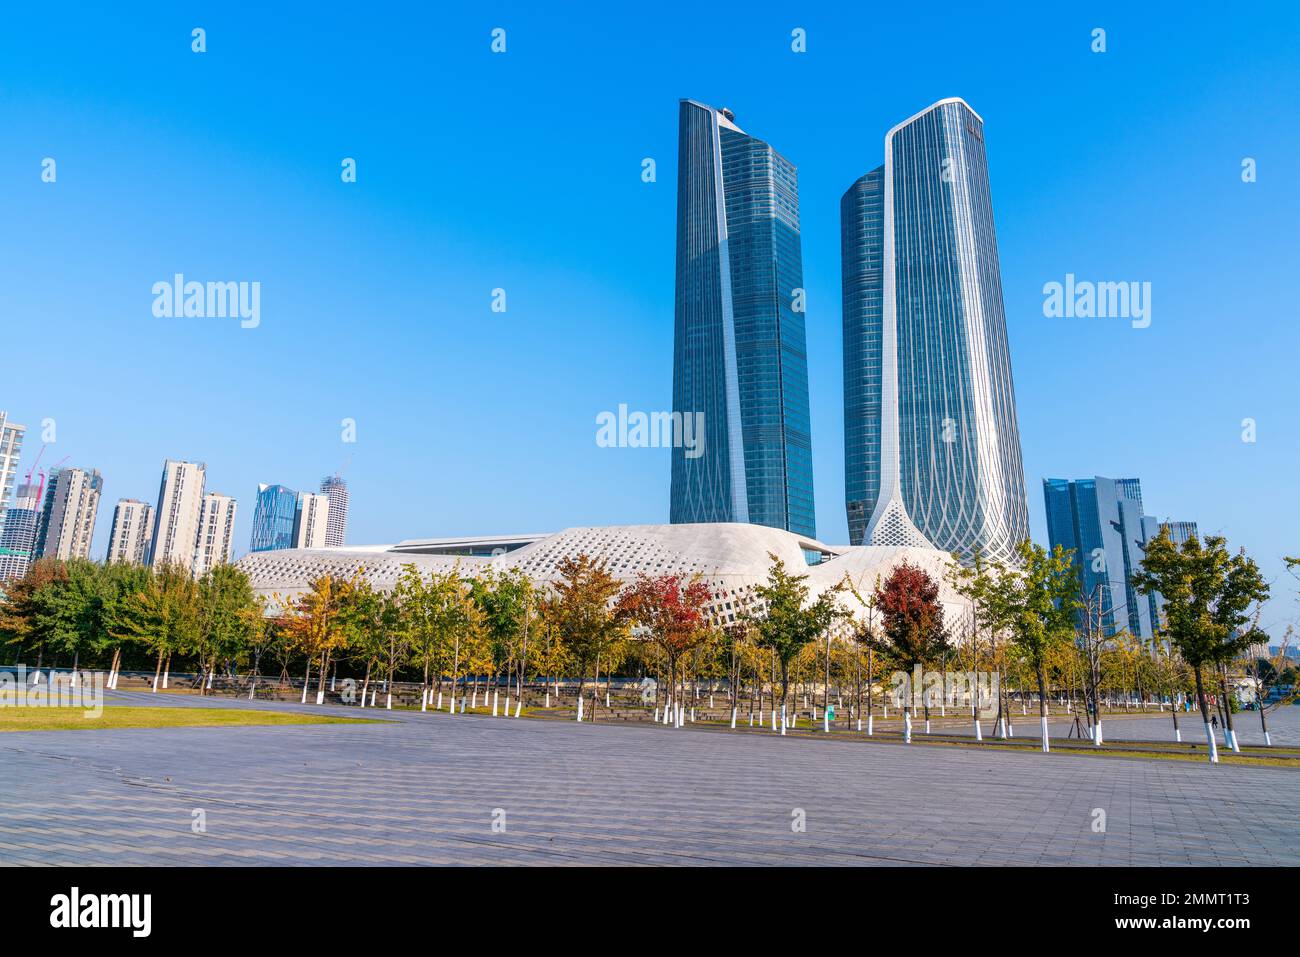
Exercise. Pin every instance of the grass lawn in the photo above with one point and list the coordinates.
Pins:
(75, 719)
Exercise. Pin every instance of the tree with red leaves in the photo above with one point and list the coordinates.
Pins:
(671, 610)
(912, 620)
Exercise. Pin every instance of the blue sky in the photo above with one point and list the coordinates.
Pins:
(522, 171)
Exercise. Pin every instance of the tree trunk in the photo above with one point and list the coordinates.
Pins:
(1042, 706)
(1205, 716)
(1227, 709)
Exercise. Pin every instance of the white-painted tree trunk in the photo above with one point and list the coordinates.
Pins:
(320, 696)
(506, 712)
(870, 723)
(1047, 746)
(782, 718)
(1213, 744)
(424, 700)
(1268, 740)
(1002, 727)
(733, 719)
(374, 696)
(579, 707)
(166, 674)
(388, 702)
(979, 732)
(907, 726)
(519, 706)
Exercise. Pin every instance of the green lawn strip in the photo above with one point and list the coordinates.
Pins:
(75, 719)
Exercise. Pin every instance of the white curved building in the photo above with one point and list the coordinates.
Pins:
(730, 558)
(932, 445)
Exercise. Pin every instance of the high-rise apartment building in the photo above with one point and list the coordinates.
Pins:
(67, 522)
(336, 529)
(273, 518)
(932, 446)
(311, 520)
(740, 366)
(128, 540)
(11, 448)
(176, 516)
(216, 537)
(18, 537)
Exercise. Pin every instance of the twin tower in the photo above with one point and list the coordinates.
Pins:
(931, 445)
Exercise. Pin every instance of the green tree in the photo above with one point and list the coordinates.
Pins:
(787, 621)
(226, 623)
(163, 617)
(1208, 599)
(1038, 597)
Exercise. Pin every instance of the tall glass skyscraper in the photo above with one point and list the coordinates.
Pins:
(1101, 521)
(273, 517)
(739, 354)
(932, 448)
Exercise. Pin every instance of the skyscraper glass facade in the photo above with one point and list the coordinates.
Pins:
(932, 446)
(273, 517)
(1101, 521)
(740, 356)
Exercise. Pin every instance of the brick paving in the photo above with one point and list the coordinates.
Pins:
(423, 790)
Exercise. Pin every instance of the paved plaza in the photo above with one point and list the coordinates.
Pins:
(427, 788)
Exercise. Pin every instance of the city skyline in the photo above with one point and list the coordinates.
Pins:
(411, 300)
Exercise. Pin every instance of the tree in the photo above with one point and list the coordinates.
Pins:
(316, 626)
(163, 617)
(1038, 598)
(370, 619)
(507, 601)
(671, 610)
(911, 618)
(582, 607)
(784, 625)
(35, 614)
(1208, 596)
(226, 614)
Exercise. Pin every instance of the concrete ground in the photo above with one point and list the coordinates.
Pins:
(429, 788)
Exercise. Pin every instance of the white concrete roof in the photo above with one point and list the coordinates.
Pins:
(729, 558)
